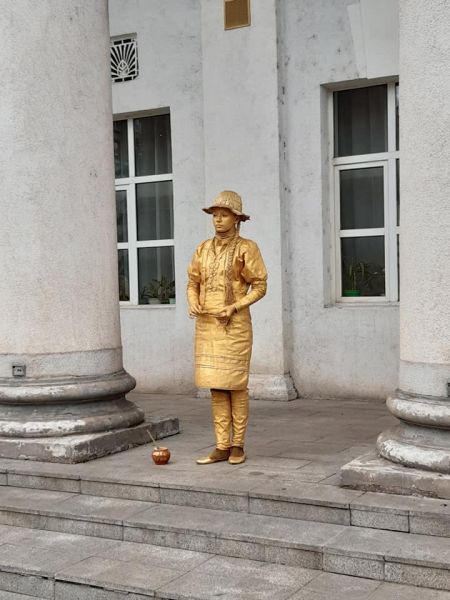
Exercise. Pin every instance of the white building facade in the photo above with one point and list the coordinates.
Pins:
(298, 112)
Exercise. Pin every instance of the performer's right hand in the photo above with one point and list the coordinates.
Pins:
(195, 310)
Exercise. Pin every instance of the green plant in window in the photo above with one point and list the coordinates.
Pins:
(362, 278)
(159, 289)
(166, 289)
(354, 274)
(150, 292)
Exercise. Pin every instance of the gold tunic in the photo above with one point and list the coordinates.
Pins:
(223, 351)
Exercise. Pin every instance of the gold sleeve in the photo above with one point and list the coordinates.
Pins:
(254, 272)
(194, 276)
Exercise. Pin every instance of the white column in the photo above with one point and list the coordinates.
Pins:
(58, 284)
(422, 439)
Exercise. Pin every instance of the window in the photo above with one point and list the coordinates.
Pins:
(144, 203)
(366, 171)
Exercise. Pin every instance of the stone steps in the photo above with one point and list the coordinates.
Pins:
(405, 558)
(295, 500)
(59, 566)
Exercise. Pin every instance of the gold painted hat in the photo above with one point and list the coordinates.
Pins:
(230, 200)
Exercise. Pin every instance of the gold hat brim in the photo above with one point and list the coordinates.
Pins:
(242, 216)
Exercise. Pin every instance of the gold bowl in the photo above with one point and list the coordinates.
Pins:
(161, 455)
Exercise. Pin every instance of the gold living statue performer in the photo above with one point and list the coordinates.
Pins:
(226, 275)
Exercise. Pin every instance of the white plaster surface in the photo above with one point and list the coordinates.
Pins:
(230, 107)
(335, 351)
(425, 213)
(58, 285)
(374, 27)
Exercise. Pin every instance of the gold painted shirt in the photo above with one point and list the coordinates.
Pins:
(223, 351)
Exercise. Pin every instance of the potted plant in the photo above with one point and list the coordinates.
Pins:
(150, 293)
(166, 289)
(354, 276)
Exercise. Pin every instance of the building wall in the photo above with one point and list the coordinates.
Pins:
(335, 350)
(240, 122)
(158, 341)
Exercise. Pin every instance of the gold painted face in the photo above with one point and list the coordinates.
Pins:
(224, 220)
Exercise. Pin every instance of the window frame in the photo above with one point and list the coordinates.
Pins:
(129, 185)
(391, 229)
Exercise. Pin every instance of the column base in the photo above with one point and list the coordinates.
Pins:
(266, 387)
(422, 438)
(82, 448)
(372, 473)
(66, 406)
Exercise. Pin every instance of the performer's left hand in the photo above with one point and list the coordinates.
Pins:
(226, 312)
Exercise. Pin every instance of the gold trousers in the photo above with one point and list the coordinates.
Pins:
(230, 417)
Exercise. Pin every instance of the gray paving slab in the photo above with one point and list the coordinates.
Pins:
(238, 526)
(101, 509)
(392, 591)
(74, 591)
(392, 546)
(33, 561)
(330, 586)
(121, 575)
(31, 499)
(232, 579)
(13, 596)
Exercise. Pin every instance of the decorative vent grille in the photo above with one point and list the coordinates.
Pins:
(124, 59)
(237, 13)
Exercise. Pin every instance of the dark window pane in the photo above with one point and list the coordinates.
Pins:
(120, 149)
(152, 145)
(360, 121)
(154, 211)
(121, 212)
(156, 275)
(397, 119)
(124, 276)
(363, 266)
(397, 180)
(362, 198)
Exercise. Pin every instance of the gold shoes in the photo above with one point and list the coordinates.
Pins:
(237, 456)
(215, 456)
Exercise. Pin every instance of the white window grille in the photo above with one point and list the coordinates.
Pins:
(124, 59)
(144, 203)
(366, 212)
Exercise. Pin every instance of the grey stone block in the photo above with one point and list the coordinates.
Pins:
(60, 484)
(3, 479)
(331, 586)
(117, 575)
(293, 557)
(101, 509)
(296, 510)
(75, 591)
(29, 585)
(380, 520)
(61, 524)
(145, 493)
(201, 499)
(396, 591)
(14, 596)
(351, 565)
(372, 473)
(430, 524)
(197, 543)
(238, 549)
(417, 575)
(236, 579)
(81, 448)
